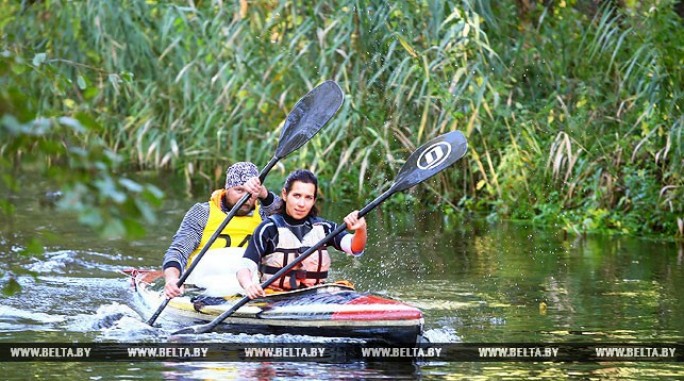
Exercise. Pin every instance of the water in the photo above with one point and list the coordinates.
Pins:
(475, 282)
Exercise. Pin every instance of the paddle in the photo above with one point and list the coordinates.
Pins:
(307, 117)
(429, 159)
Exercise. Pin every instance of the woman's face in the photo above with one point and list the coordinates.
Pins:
(300, 199)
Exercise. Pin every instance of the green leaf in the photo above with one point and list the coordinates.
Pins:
(33, 248)
(113, 229)
(19, 69)
(22, 271)
(134, 229)
(127, 76)
(146, 211)
(81, 82)
(11, 124)
(131, 185)
(91, 217)
(153, 195)
(7, 207)
(90, 93)
(72, 123)
(39, 59)
(87, 120)
(106, 187)
(51, 147)
(11, 288)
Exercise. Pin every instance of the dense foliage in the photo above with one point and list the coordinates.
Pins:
(573, 113)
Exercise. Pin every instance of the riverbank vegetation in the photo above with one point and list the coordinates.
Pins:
(573, 110)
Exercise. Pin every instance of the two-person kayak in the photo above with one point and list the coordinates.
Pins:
(330, 310)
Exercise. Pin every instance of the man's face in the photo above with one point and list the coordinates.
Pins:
(234, 194)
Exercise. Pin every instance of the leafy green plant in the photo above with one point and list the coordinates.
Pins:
(67, 152)
(561, 101)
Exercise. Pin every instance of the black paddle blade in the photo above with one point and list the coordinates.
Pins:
(308, 116)
(431, 158)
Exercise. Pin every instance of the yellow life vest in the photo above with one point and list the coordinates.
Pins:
(311, 271)
(235, 234)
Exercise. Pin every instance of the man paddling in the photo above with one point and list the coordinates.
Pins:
(203, 219)
(289, 232)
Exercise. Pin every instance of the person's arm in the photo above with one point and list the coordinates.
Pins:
(353, 244)
(270, 202)
(358, 225)
(186, 239)
(261, 242)
(252, 289)
(270, 205)
(171, 289)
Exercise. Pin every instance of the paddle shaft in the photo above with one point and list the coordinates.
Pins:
(340, 228)
(229, 216)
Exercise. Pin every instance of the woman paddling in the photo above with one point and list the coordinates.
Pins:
(279, 239)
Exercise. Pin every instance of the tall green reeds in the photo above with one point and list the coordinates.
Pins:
(573, 118)
(609, 106)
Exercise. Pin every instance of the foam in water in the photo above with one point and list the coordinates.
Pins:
(14, 319)
(106, 316)
(443, 335)
(58, 262)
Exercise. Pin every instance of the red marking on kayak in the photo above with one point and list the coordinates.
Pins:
(145, 276)
(404, 312)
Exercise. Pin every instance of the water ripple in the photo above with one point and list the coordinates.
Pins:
(15, 320)
(75, 262)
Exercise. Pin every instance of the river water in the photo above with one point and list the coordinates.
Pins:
(475, 282)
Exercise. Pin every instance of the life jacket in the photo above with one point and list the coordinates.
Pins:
(235, 234)
(311, 271)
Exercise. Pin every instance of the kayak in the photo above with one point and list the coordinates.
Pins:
(329, 310)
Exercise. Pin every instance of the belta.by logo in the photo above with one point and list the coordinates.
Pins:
(434, 155)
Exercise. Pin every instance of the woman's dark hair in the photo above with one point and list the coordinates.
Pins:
(303, 176)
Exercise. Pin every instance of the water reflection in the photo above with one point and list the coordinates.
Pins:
(266, 371)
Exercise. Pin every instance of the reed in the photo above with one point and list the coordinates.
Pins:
(562, 107)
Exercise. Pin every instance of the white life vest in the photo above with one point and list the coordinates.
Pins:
(311, 271)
